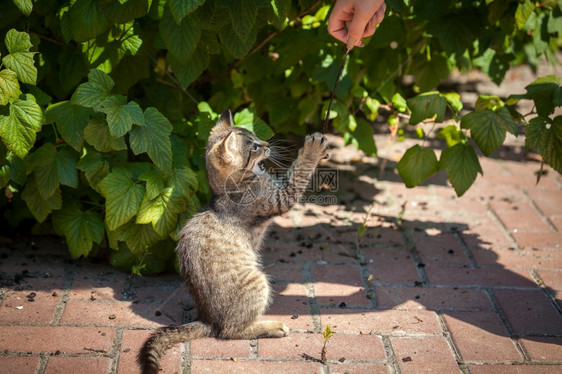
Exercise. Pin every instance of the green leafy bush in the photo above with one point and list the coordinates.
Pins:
(106, 105)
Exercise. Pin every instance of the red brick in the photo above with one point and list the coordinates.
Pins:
(556, 221)
(308, 250)
(164, 288)
(130, 347)
(544, 240)
(358, 369)
(519, 216)
(515, 369)
(280, 272)
(19, 365)
(391, 265)
(33, 264)
(526, 258)
(419, 298)
(37, 339)
(216, 348)
(543, 348)
(83, 365)
(294, 347)
(529, 312)
(383, 322)
(486, 234)
(480, 336)
(549, 201)
(480, 277)
(253, 367)
(98, 284)
(290, 306)
(335, 284)
(18, 307)
(439, 250)
(124, 313)
(355, 347)
(423, 355)
(553, 281)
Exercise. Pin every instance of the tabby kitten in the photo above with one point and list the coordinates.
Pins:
(218, 249)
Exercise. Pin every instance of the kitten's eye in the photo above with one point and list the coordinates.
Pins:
(255, 147)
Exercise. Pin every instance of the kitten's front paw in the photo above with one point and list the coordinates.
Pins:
(316, 146)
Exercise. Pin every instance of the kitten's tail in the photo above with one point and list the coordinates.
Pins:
(165, 338)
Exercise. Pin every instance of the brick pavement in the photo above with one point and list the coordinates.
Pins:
(436, 284)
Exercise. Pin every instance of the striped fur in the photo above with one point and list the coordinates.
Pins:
(218, 249)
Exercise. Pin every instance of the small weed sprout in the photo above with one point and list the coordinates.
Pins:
(327, 333)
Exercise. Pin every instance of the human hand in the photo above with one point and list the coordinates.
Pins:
(352, 20)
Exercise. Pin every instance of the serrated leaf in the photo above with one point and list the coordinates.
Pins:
(93, 92)
(181, 40)
(489, 128)
(545, 135)
(451, 134)
(454, 100)
(9, 86)
(362, 138)
(243, 17)
(180, 8)
(430, 105)
(162, 211)
(457, 32)
(186, 72)
(19, 59)
(71, 121)
(523, 13)
(462, 166)
(98, 135)
(121, 115)
(81, 229)
(248, 119)
(237, 46)
(416, 165)
(124, 11)
(122, 195)
(94, 166)
(154, 139)
(546, 92)
(18, 130)
(66, 167)
(154, 183)
(52, 168)
(39, 207)
(428, 74)
(86, 20)
(25, 6)
(140, 238)
(183, 181)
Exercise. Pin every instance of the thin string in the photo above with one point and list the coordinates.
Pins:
(327, 119)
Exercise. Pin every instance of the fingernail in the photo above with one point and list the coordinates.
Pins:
(350, 43)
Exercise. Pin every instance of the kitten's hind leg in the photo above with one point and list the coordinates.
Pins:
(263, 329)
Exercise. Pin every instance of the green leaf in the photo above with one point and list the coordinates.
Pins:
(121, 115)
(399, 102)
(428, 74)
(188, 71)
(162, 211)
(86, 20)
(454, 100)
(237, 46)
(457, 32)
(362, 138)
(19, 129)
(183, 181)
(243, 16)
(124, 11)
(489, 128)
(248, 119)
(417, 165)
(81, 229)
(9, 86)
(523, 13)
(181, 8)
(462, 166)
(154, 139)
(71, 121)
(20, 59)
(66, 167)
(181, 40)
(25, 6)
(93, 92)
(546, 92)
(451, 134)
(430, 105)
(98, 135)
(140, 238)
(545, 135)
(154, 183)
(122, 195)
(39, 207)
(95, 167)
(44, 162)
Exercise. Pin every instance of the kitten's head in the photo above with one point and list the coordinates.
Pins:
(233, 151)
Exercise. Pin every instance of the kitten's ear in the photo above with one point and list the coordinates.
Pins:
(224, 123)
